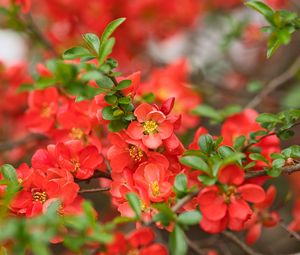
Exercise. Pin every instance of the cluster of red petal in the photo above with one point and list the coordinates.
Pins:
(140, 242)
(226, 206)
(262, 217)
(144, 158)
(172, 81)
(40, 189)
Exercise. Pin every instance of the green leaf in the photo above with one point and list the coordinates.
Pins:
(9, 173)
(206, 143)
(207, 180)
(111, 99)
(195, 162)
(111, 27)
(108, 113)
(165, 215)
(239, 142)
(258, 156)
(189, 218)
(117, 125)
(76, 52)
(180, 184)
(278, 163)
(207, 111)
(105, 82)
(93, 41)
(177, 243)
(106, 49)
(124, 100)
(262, 8)
(268, 117)
(123, 84)
(274, 172)
(135, 203)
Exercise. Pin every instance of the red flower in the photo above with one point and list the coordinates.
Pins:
(40, 117)
(227, 205)
(153, 179)
(152, 126)
(125, 152)
(261, 217)
(40, 188)
(73, 156)
(140, 241)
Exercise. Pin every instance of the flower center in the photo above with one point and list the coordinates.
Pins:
(39, 196)
(46, 111)
(76, 165)
(155, 188)
(76, 133)
(135, 153)
(133, 252)
(150, 127)
(231, 190)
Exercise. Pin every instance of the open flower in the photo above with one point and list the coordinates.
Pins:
(226, 205)
(152, 126)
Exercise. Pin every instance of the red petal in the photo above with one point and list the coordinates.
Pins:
(253, 233)
(142, 110)
(231, 174)
(152, 141)
(213, 227)
(239, 209)
(165, 129)
(270, 196)
(135, 130)
(252, 193)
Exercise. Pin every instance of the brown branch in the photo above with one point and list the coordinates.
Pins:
(291, 232)
(97, 174)
(94, 190)
(36, 32)
(274, 84)
(230, 236)
(9, 145)
(194, 247)
(285, 170)
(267, 135)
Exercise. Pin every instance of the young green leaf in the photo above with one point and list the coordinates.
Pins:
(9, 173)
(177, 243)
(189, 218)
(76, 52)
(93, 41)
(111, 27)
(135, 203)
(195, 162)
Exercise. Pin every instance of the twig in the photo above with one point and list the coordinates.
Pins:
(195, 247)
(97, 174)
(239, 243)
(274, 84)
(291, 232)
(285, 170)
(36, 32)
(181, 202)
(93, 190)
(267, 135)
(9, 145)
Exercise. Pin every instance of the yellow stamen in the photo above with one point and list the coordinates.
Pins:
(39, 196)
(135, 153)
(46, 111)
(76, 133)
(150, 127)
(155, 188)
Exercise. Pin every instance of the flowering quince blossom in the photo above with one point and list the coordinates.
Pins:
(43, 105)
(79, 160)
(152, 126)
(140, 241)
(261, 217)
(226, 205)
(176, 76)
(39, 189)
